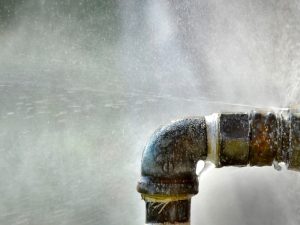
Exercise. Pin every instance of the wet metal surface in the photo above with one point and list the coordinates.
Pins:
(176, 211)
(264, 139)
(294, 161)
(170, 157)
(234, 139)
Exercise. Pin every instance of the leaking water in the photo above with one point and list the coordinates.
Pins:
(83, 84)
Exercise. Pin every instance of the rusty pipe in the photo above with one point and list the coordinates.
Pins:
(168, 174)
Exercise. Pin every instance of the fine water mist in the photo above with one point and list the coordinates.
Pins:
(84, 83)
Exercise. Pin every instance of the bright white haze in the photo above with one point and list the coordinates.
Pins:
(84, 83)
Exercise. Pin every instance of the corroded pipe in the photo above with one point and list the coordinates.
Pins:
(168, 177)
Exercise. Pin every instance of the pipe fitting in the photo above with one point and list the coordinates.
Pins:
(169, 170)
(170, 158)
(168, 178)
(234, 139)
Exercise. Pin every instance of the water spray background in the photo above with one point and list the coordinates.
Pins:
(84, 84)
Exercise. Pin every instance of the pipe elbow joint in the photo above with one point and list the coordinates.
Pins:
(170, 158)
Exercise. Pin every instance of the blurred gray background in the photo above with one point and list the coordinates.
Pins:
(84, 83)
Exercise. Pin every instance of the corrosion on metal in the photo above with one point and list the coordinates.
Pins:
(234, 139)
(169, 161)
(264, 139)
(171, 212)
(294, 153)
(169, 168)
(170, 158)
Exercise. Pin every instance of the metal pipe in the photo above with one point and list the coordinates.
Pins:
(168, 175)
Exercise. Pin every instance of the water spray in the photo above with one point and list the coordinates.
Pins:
(168, 174)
